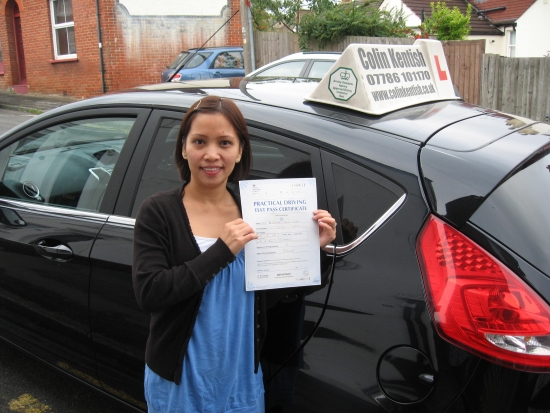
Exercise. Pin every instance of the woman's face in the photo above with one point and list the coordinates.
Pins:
(211, 148)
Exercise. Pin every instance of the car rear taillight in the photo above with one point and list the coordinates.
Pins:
(478, 304)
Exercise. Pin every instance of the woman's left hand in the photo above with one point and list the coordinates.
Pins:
(327, 226)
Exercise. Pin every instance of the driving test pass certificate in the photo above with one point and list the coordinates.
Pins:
(286, 253)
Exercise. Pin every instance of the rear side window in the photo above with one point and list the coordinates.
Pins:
(270, 160)
(229, 60)
(178, 60)
(319, 69)
(360, 196)
(160, 173)
(67, 165)
(196, 60)
(517, 213)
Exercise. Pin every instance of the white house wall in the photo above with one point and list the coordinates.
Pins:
(493, 44)
(174, 8)
(411, 19)
(533, 31)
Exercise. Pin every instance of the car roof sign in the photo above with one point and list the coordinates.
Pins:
(378, 79)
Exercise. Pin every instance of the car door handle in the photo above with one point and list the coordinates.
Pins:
(59, 251)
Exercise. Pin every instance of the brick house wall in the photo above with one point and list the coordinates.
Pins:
(135, 48)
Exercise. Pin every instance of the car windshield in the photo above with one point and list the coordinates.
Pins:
(178, 60)
(197, 59)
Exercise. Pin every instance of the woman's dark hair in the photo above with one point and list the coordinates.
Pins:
(212, 105)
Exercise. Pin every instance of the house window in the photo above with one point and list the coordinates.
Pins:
(63, 29)
(512, 43)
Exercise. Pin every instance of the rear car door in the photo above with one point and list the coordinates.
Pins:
(57, 182)
(119, 327)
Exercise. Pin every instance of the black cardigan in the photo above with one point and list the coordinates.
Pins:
(169, 275)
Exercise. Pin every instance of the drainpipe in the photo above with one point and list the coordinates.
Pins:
(251, 37)
(100, 45)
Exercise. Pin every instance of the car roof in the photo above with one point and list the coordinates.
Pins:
(310, 55)
(213, 48)
(417, 123)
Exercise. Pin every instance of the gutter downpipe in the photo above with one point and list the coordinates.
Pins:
(252, 54)
(100, 45)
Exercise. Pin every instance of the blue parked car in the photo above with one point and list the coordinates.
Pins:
(206, 63)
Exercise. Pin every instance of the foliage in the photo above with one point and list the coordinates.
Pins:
(350, 19)
(268, 13)
(446, 23)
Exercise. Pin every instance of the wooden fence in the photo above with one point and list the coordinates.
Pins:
(464, 58)
(517, 85)
(520, 86)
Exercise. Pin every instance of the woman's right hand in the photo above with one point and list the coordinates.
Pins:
(236, 234)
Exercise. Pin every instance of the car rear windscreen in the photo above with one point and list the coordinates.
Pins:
(517, 213)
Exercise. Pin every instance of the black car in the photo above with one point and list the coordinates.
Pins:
(438, 301)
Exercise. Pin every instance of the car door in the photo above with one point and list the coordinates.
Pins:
(57, 179)
(373, 350)
(119, 327)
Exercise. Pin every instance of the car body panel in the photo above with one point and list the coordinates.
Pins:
(45, 295)
(473, 177)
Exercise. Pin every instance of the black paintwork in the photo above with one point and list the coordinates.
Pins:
(376, 349)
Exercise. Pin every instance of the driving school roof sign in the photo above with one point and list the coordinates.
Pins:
(377, 79)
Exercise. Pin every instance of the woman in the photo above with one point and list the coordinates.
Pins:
(206, 331)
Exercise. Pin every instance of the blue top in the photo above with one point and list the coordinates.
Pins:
(218, 369)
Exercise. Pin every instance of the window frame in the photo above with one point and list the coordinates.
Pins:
(55, 28)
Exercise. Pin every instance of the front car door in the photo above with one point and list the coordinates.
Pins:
(55, 182)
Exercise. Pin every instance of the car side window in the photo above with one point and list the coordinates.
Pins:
(197, 60)
(67, 165)
(160, 172)
(288, 69)
(319, 69)
(360, 196)
(228, 60)
(273, 160)
(270, 160)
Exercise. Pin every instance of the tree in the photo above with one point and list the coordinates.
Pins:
(268, 13)
(350, 19)
(447, 24)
